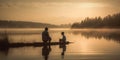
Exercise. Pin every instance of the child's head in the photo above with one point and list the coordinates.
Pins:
(62, 33)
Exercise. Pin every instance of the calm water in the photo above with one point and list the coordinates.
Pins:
(88, 44)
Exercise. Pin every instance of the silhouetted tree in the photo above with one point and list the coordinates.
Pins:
(110, 21)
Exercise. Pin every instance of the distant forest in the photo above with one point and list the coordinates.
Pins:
(22, 24)
(110, 21)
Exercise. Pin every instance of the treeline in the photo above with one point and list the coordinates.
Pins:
(23, 24)
(110, 21)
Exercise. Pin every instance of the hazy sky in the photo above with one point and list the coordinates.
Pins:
(56, 11)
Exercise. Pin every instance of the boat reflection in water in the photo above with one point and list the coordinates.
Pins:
(45, 50)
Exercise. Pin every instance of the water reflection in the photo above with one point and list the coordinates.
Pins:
(63, 47)
(4, 50)
(89, 45)
(46, 49)
(108, 35)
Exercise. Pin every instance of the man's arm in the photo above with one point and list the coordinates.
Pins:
(49, 38)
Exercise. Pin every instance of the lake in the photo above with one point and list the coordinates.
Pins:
(88, 44)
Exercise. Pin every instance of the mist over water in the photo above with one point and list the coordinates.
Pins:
(88, 44)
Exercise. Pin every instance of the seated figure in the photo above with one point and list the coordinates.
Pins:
(63, 39)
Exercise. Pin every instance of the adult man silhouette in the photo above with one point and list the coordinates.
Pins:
(45, 36)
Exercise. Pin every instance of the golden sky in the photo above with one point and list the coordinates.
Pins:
(56, 11)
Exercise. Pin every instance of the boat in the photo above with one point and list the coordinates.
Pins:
(36, 44)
